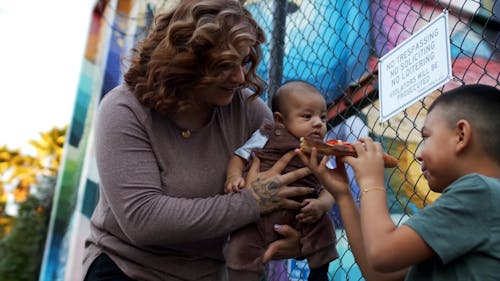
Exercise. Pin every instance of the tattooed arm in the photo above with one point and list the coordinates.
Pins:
(270, 188)
(271, 192)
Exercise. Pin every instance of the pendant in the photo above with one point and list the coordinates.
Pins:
(186, 133)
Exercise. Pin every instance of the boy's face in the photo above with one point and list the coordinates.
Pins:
(437, 153)
(304, 114)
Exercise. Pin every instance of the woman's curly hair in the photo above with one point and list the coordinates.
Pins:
(191, 47)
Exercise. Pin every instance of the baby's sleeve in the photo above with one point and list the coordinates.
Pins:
(257, 140)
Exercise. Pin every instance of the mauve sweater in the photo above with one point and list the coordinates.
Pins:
(162, 213)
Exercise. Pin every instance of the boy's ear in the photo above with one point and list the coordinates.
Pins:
(278, 118)
(464, 134)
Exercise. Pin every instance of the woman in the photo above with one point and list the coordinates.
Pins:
(163, 141)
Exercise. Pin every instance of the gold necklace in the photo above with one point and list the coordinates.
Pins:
(186, 133)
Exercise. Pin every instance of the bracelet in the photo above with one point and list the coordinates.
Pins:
(366, 190)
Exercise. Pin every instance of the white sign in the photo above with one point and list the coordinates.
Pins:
(415, 68)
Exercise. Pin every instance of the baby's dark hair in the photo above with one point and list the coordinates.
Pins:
(279, 97)
(480, 106)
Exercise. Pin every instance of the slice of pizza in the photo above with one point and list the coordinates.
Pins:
(339, 148)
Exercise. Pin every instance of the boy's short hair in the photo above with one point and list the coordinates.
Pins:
(480, 105)
(278, 97)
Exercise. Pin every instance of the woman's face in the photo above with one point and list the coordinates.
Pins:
(221, 93)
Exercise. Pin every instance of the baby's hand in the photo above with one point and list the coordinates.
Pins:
(234, 184)
(312, 211)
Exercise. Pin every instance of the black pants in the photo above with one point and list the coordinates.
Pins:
(319, 274)
(104, 269)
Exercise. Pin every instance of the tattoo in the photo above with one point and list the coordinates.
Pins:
(272, 185)
(267, 194)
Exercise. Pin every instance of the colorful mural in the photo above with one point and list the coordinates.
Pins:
(475, 59)
(76, 191)
(327, 42)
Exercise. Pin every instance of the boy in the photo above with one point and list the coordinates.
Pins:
(299, 110)
(458, 236)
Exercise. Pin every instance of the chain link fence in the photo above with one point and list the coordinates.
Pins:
(336, 46)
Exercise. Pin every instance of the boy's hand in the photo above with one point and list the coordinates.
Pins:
(312, 211)
(370, 154)
(335, 181)
(234, 184)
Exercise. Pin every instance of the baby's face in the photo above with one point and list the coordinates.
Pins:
(306, 114)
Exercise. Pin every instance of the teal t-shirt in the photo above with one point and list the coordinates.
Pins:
(463, 228)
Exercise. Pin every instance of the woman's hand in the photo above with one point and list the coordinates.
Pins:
(270, 188)
(286, 248)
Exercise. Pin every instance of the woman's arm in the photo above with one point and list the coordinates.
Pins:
(132, 184)
(137, 206)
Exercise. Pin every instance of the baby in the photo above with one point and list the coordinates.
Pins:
(299, 110)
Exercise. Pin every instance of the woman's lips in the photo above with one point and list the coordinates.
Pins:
(228, 90)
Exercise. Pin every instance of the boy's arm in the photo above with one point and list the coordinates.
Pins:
(337, 183)
(388, 248)
(352, 224)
